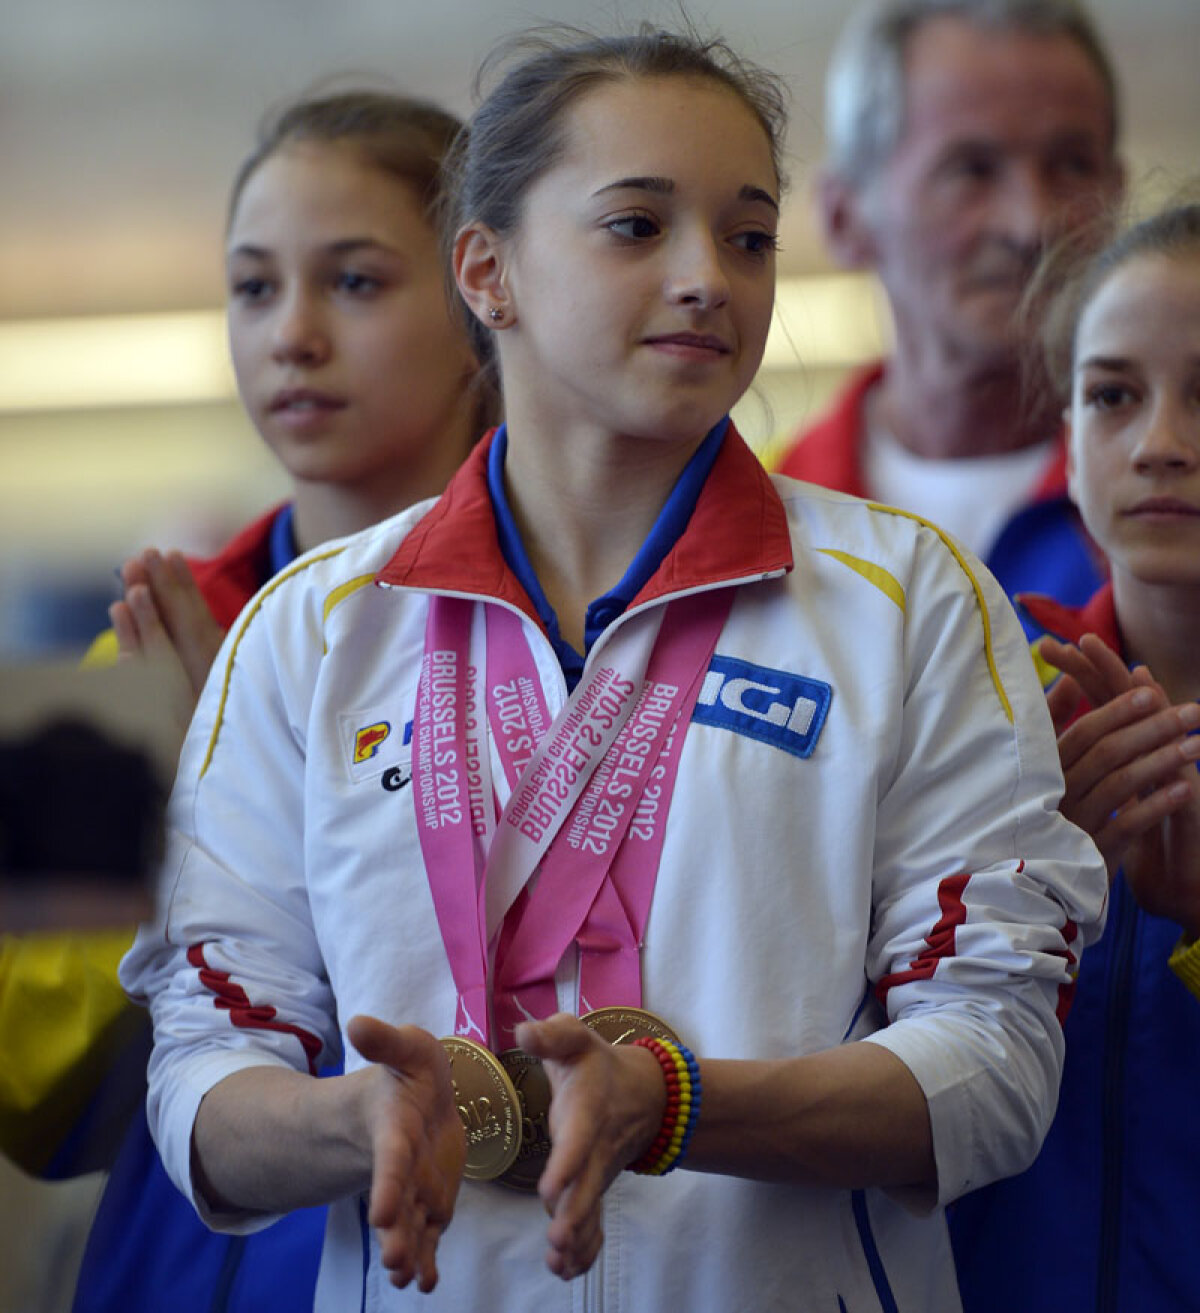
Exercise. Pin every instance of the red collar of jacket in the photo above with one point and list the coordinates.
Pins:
(738, 529)
(1053, 485)
(830, 452)
(1070, 623)
(232, 577)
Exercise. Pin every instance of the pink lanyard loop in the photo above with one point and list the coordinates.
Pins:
(576, 849)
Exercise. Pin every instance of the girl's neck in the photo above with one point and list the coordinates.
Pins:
(325, 510)
(585, 508)
(1160, 626)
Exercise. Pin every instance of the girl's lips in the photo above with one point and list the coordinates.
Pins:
(693, 344)
(302, 400)
(1169, 506)
(303, 412)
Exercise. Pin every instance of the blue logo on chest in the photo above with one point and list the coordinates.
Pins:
(787, 711)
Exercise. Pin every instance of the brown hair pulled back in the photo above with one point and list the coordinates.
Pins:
(1076, 274)
(407, 138)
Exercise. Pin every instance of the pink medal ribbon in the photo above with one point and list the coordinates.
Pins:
(594, 885)
(517, 711)
(575, 852)
(453, 840)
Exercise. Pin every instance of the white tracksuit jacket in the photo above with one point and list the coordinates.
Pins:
(908, 882)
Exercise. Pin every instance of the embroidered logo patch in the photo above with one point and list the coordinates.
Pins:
(369, 739)
(773, 706)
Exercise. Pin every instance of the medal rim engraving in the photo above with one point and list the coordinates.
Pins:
(487, 1159)
(635, 1021)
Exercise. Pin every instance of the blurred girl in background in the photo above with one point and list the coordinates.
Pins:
(1105, 1219)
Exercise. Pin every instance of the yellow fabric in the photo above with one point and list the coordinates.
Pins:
(103, 651)
(243, 623)
(1046, 672)
(886, 582)
(1185, 962)
(63, 1016)
(983, 611)
(348, 589)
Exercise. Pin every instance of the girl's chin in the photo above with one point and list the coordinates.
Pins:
(1159, 570)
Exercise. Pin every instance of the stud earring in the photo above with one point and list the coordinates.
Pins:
(496, 314)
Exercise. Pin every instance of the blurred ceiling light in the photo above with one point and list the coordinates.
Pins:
(102, 362)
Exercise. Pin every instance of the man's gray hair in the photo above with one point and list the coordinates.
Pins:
(864, 88)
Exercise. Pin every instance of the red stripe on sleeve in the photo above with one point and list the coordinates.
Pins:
(1066, 993)
(939, 942)
(245, 1014)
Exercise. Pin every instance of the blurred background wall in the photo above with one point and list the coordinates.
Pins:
(121, 124)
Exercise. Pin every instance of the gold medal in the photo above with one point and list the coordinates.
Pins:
(488, 1106)
(529, 1079)
(621, 1025)
(504, 1102)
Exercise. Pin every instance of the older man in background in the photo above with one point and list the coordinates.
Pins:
(964, 136)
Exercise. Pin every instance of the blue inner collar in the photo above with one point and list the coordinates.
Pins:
(281, 542)
(671, 522)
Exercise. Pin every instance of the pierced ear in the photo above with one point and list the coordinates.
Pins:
(841, 211)
(479, 273)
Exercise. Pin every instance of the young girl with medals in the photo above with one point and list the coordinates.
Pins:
(619, 753)
(1104, 1219)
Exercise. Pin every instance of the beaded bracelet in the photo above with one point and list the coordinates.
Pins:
(682, 1075)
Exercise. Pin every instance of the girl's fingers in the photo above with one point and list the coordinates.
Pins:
(1107, 663)
(129, 642)
(1142, 677)
(1063, 698)
(154, 638)
(418, 1147)
(1097, 670)
(575, 1254)
(133, 572)
(407, 1050)
(576, 1232)
(1126, 765)
(427, 1273)
(1141, 816)
(560, 1037)
(1115, 733)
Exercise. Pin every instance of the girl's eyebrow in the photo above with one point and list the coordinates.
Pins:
(664, 186)
(751, 193)
(348, 245)
(1104, 362)
(343, 246)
